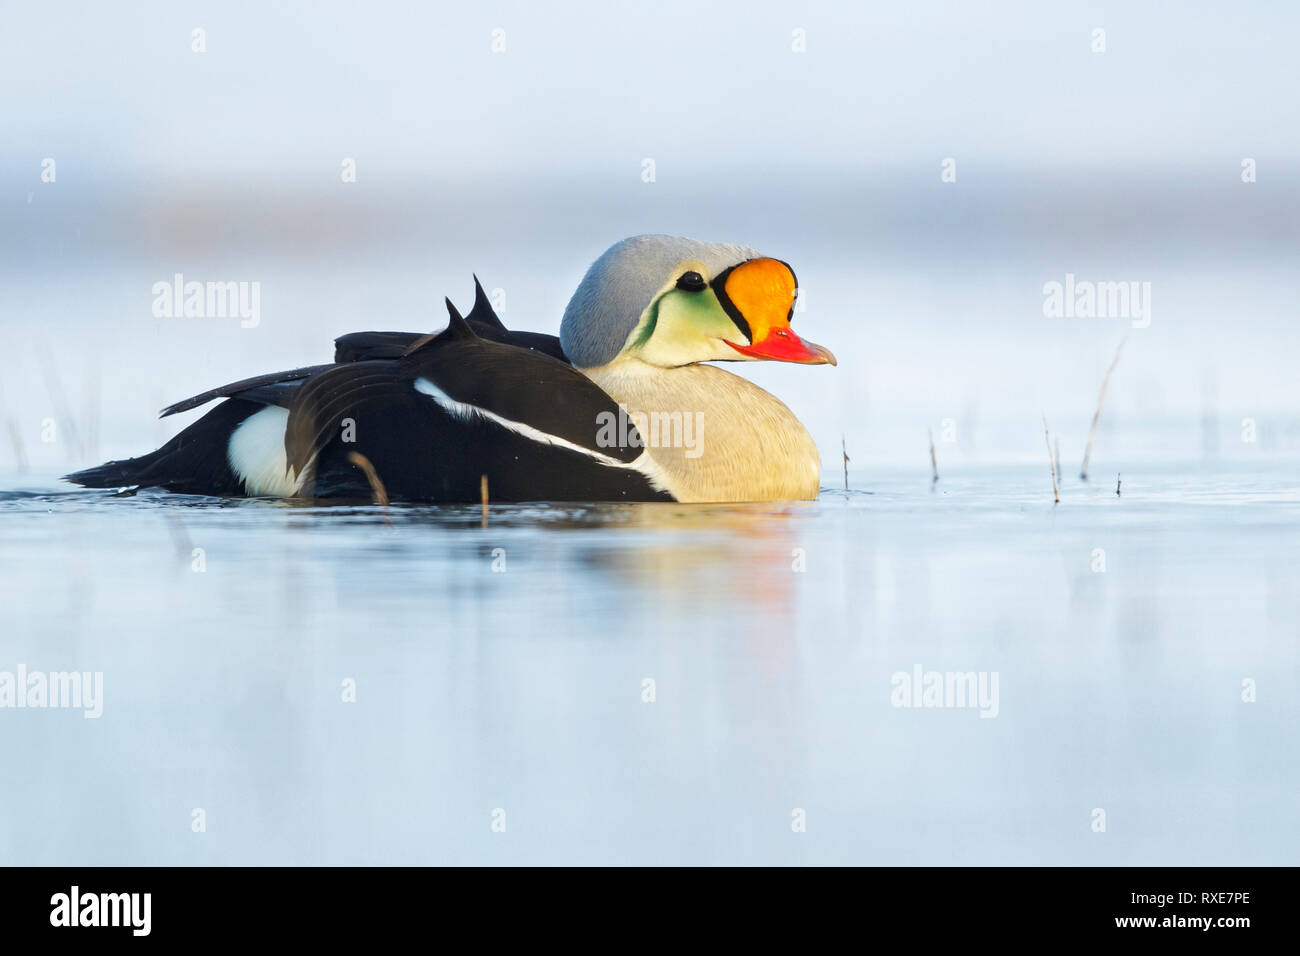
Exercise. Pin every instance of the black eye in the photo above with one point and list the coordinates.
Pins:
(691, 282)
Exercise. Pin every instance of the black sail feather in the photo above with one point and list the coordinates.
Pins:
(483, 313)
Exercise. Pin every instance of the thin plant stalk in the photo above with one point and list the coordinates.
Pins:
(1056, 497)
(1101, 397)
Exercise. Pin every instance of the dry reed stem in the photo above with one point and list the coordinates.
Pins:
(1101, 397)
(1056, 497)
(845, 452)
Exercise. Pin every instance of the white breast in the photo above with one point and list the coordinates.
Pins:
(750, 446)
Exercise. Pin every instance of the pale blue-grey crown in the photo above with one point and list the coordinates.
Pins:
(620, 284)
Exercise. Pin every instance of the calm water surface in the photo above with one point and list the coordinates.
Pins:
(522, 689)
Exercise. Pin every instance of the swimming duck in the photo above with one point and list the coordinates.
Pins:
(619, 407)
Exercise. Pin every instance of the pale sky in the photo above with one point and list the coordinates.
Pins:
(415, 91)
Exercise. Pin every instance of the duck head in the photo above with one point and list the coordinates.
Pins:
(669, 301)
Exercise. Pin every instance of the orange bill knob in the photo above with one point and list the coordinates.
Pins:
(759, 296)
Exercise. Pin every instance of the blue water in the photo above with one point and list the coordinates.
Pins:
(521, 690)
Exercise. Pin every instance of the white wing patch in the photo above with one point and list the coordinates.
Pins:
(257, 456)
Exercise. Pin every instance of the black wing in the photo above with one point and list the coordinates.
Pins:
(456, 408)
(248, 385)
(369, 346)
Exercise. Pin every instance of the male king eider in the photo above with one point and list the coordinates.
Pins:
(543, 418)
